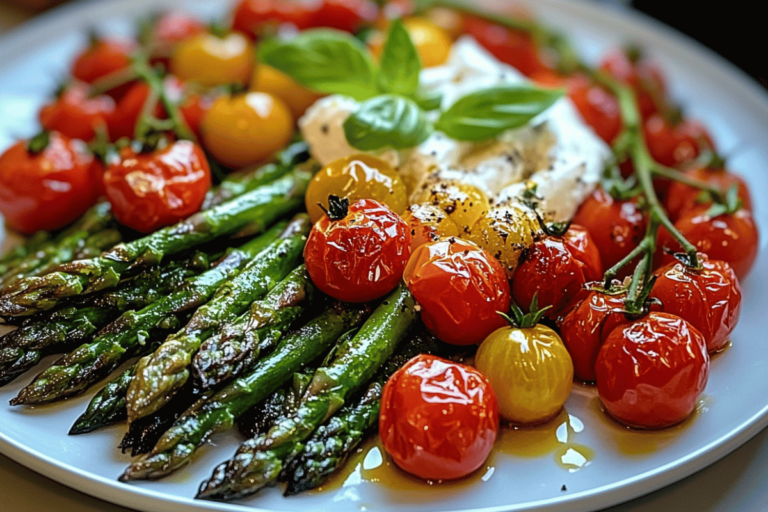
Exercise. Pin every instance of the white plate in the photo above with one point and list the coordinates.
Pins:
(625, 465)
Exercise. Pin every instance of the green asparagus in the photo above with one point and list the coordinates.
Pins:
(19, 253)
(107, 407)
(238, 346)
(160, 375)
(263, 416)
(132, 333)
(259, 207)
(218, 411)
(258, 462)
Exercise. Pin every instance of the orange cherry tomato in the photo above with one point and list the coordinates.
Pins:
(75, 114)
(586, 326)
(616, 226)
(681, 198)
(598, 107)
(731, 237)
(709, 299)
(103, 57)
(47, 183)
(438, 419)
(513, 47)
(642, 74)
(252, 17)
(460, 288)
(346, 15)
(651, 372)
(555, 270)
(149, 191)
(672, 145)
(359, 254)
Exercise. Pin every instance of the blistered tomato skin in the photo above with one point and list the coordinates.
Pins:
(149, 191)
(709, 299)
(460, 289)
(49, 189)
(530, 370)
(75, 114)
(682, 198)
(428, 224)
(438, 419)
(356, 177)
(360, 257)
(651, 372)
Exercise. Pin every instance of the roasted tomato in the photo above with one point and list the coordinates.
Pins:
(246, 129)
(555, 270)
(709, 299)
(616, 226)
(530, 371)
(651, 372)
(46, 183)
(730, 237)
(75, 114)
(587, 325)
(356, 177)
(170, 29)
(681, 198)
(465, 204)
(675, 144)
(506, 233)
(643, 75)
(514, 47)
(346, 15)
(460, 288)
(357, 253)
(103, 57)
(253, 17)
(428, 223)
(295, 96)
(598, 107)
(149, 191)
(211, 60)
(438, 419)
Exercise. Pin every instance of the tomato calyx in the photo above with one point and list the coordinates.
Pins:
(522, 320)
(39, 142)
(338, 207)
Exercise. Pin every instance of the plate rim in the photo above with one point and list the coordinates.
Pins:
(749, 92)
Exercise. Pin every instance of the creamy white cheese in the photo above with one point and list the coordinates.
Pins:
(556, 150)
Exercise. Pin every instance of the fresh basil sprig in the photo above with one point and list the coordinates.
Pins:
(387, 121)
(400, 62)
(484, 114)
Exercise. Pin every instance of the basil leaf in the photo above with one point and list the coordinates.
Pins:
(428, 100)
(400, 63)
(325, 60)
(485, 114)
(387, 121)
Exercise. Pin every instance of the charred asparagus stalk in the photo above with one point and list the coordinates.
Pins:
(107, 407)
(263, 416)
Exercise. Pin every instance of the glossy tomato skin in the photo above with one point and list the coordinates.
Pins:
(651, 372)
(580, 243)
(586, 326)
(709, 299)
(681, 198)
(346, 15)
(616, 226)
(645, 78)
(672, 145)
(103, 57)
(731, 237)
(75, 114)
(598, 107)
(47, 190)
(438, 419)
(149, 191)
(460, 288)
(250, 17)
(513, 47)
(360, 257)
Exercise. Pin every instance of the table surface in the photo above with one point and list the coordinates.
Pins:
(736, 483)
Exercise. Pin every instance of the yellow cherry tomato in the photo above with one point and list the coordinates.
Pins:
(428, 223)
(211, 60)
(465, 204)
(447, 19)
(506, 232)
(246, 129)
(530, 370)
(297, 97)
(432, 42)
(356, 177)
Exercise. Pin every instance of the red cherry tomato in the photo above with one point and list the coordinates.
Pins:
(616, 227)
(103, 57)
(75, 114)
(361, 256)
(672, 145)
(438, 419)
(709, 299)
(681, 197)
(170, 29)
(149, 191)
(642, 75)
(598, 107)
(347, 15)
(513, 47)
(731, 237)
(252, 16)
(49, 188)
(555, 271)
(651, 372)
(460, 288)
(586, 326)
(192, 105)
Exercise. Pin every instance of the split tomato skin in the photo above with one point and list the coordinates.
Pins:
(439, 419)
(47, 190)
(682, 198)
(708, 298)
(360, 257)
(460, 289)
(75, 114)
(149, 191)
(651, 372)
